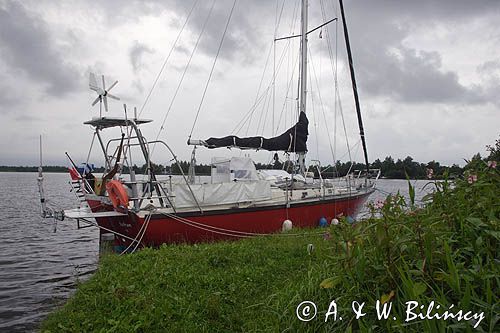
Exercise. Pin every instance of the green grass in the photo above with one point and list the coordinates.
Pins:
(445, 252)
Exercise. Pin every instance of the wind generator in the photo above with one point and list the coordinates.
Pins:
(102, 93)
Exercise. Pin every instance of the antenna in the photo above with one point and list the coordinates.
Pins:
(102, 93)
(40, 150)
(43, 205)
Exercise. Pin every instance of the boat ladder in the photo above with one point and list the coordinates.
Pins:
(77, 188)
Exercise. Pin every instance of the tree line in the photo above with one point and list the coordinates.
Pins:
(390, 168)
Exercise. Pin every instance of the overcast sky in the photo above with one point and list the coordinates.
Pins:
(428, 73)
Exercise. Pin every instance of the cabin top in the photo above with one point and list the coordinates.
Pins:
(106, 122)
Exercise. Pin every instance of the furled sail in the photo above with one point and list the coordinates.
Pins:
(293, 140)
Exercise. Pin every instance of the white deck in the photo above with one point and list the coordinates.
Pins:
(79, 213)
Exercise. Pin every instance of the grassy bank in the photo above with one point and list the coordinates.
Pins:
(446, 252)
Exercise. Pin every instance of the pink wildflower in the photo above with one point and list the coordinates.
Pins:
(472, 179)
(492, 164)
(327, 236)
(430, 173)
(379, 204)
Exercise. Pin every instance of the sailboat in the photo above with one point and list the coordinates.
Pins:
(238, 201)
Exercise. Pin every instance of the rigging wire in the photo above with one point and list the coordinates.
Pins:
(276, 25)
(288, 88)
(260, 85)
(267, 102)
(271, 48)
(239, 126)
(348, 153)
(336, 81)
(299, 93)
(295, 20)
(167, 58)
(184, 73)
(213, 67)
(314, 114)
(248, 117)
(90, 149)
(223, 231)
(334, 66)
(322, 107)
(355, 154)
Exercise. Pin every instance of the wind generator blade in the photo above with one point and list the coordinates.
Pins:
(105, 103)
(96, 100)
(112, 96)
(93, 82)
(103, 84)
(114, 84)
(98, 90)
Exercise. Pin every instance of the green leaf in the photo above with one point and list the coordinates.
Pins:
(476, 221)
(493, 233)
(419, 288)
(416, 272)
(411, 190)
(386, 298)
(329, 283)
(380, 234)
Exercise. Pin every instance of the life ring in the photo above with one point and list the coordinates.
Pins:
(117, 194)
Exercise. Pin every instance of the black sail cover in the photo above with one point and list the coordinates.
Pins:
(293, 140)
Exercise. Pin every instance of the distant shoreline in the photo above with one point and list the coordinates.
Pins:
(390, 168)
(54, 169)
(32, 169)
(58, 169)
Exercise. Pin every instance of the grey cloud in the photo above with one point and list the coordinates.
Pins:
(490, 72)
(136, 52)
(26, 118)
(8, 97)
(378, 28)
(238, 36)
(242, 32)
(249, 16)
(389, 68)
(414, 77)
(489, 68)
(425, 10)
(183, 49)
(243, 38)
(137, 84)
(26, 45)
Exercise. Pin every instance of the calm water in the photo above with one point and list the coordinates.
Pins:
(39, 269)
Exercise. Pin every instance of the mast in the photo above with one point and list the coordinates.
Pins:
(303, 73)
(354, 88)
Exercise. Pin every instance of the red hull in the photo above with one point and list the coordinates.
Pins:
(222, 224)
